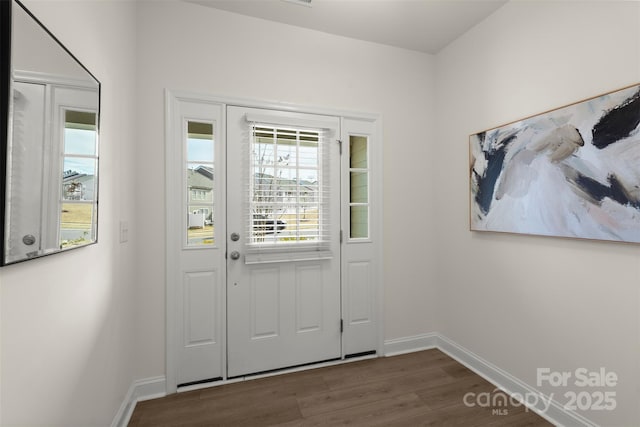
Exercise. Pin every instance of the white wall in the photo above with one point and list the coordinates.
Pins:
(67, 334)
(190, 47)
(520, 302)
(530, 302)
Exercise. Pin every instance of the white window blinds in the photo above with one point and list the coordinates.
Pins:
(287, 193)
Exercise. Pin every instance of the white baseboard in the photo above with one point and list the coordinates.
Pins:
(150, 388)
(398, 346)
(556, 413)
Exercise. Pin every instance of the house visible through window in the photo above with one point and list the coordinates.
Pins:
(80, 163)
(287, 186)
(199, 169)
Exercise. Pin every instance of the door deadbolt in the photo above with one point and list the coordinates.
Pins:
(235, 237)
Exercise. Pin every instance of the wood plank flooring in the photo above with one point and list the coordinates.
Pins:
(418, 389)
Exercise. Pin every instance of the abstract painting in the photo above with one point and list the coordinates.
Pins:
(570, 172)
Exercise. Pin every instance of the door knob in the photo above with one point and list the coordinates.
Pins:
(234, 255)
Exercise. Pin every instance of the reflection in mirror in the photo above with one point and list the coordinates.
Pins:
(51, 164)
(78, 204)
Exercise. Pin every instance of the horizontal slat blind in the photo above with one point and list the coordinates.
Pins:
(288, 191)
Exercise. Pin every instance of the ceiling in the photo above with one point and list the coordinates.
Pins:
(422, 25)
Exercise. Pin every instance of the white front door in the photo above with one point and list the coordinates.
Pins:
(257, 276)
(283, 240)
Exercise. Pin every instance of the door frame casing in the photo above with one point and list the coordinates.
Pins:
(173, 191)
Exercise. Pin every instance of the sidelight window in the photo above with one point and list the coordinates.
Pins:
(199, 169)
(359, 187)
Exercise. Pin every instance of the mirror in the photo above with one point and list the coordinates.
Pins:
(49, 125)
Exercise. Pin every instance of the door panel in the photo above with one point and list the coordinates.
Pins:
(309, 290)
(361, 250)
(283, 287)
(265, 302)
(360, 308)
(199, 320)
(196, 270)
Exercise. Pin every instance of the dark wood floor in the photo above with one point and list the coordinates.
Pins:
(426, 388)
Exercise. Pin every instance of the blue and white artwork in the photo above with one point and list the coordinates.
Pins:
(570, 172)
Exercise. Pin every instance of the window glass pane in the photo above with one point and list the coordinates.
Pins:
(358, 151)
(80, 133)
(80, 165)
(196, 129)
(359, 222)
(200, 150)
(264, 147)
(200, 225)
(308, 155)
(359, 187)
(200, 192)
(287, 176)
(78, 178)
(308, 177)
(285, 172)
(287, 153)
(76, 222)
(200, 142)
(80, 141)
